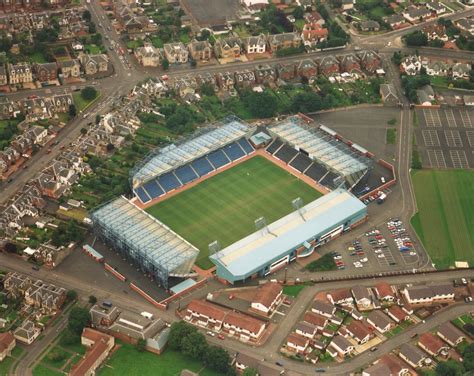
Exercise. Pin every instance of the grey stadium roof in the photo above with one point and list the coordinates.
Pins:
(148, 241)
(172, 156)
(323, 147)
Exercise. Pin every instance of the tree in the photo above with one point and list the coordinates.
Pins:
(72, 110)
(218, 359)
(306, 102)
(10, 247)
(165, 64)
(449, 368)
(79, 318)
(141, 345)
(86, 15)
(88, 93)
(92, 299)
(205, 34)
(250, 372)
(207, 89)
(194, 345)
(178, 331)
(92, 28)
(70, 338)
(298, 13)
(261, 105)
(468, 357)
(83, 131)
(71, 295)
(416, 39)
(110, 147)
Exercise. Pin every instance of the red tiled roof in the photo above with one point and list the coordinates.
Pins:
(359, 330)
(340, 295)
(206, 309)
(5, 340)
(383, 290)
(394, 363)
(244, 322)
(315, 319)
(267, 293)
(99, 347)
(297, 340)
(431, 342)
(399, 313)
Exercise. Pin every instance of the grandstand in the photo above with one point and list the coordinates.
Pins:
(155, 248)
(295, 235)
(173, 166)
(317, 153)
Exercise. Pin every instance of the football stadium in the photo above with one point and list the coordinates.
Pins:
(247, 200)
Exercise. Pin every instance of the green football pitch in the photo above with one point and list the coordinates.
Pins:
(225, 206)
(445, 218)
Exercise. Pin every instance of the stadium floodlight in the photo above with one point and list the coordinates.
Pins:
(214, 247)
(297, 203)
(260, 223)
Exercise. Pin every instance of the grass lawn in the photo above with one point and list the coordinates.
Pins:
(445, 218)
(92, 49)
(225, 206)
(323, 264)
(41, 370)
(5, 366)
(38, 57)
(439, 81)
(391, 136)
(128, 361)
(56, 358)
(80, 102)
(293, 290)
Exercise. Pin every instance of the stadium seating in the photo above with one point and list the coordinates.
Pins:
(246, 146)
(153, 189)
(233, 151)
(286, 153)
(202, 166)
(186, 174)
(316, 171)
(169, 182)
(328, 180)
(218, 159)
(273, 147)
(301, 162)
(142, 195)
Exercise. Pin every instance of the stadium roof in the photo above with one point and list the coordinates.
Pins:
(172, 156)
(247, 256)
(144, 238)
(323, 147)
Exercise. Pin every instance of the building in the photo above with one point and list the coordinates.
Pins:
(389, 95)
(395, 20)
(94, 64)
(396, 365)
(378, 369)
(436, 7)
(323, 309)
(3, 75)
(99, 346)
(205, 314)
(20, 73)
(359, 331)
(7, 344)
(244, 361)
(369, 25)
(46, 72)
(385, 292)
(284, 41)
(432, 344)
(27, 332)
(176, 53)
(362, 297)
(260, 254)
(297, 343)
(450, 334)
(397, 314)
(466, 24)
(313, 33)
(314, 319)
(200, 50)
(442, 293)
(245, 327)
(268, 298)
(415, 15)
(380, 321)
(228, 48)
(328, 66)
(70, 68)
(348, 4)
(412, 355)
(148, 56)
(341, 345)
(245, 78)
(255, 44)
(306, 330)
(341, 297)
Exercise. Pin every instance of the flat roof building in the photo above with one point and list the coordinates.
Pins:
(295, 235)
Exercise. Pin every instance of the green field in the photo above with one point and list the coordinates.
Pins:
(445, 218)
(225, 206)
(128, 361)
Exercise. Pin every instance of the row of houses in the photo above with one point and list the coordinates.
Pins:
(16, 5)
(24, 73)
(413, 65)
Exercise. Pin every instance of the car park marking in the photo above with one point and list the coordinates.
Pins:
(458, 157)
(466, 119)
(436, 158)
(450, 118)
(453, 139)
(470, 138)
(432, 118)
(430, 137)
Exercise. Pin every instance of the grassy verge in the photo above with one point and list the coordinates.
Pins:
(323, 264)
(391, 136)
(293, 290)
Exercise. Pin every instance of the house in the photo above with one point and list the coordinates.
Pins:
(341, 345)
(3, 75)
(378, 369)
(369, 25)
(397, 314)
(20, 73)
(244, 361)
(313, 33)
(468, 100)
(27, 332)
(385, 292)
(99, 346)
(436, 7)
(245, 327)
(370, 61)
(328, 66)
(380, 321)
(70, 68)
(395, 20)
(46, 72)
(411, 65)
(225, 80)
(205, 314)
(244, 78)
(323, 308)
(348, 4)
(415, 15)
(286, 72)
(317, 320)
(359, 331)
(283, 41)
(314, 17)
(267, 298)
(412, 355)
(432, 344)
(441, 293)
(255, 44)
(397, 366)
(94, 64)
(228, 48)
(306, 330)
(265, 74)
(450, 334)
(466, 24)
(37, 134)
(435, 32)
(362, 297)
(350, 64)
(176, 53)
(340, 297)
(307, 68)
(436, 68)
(297, 343)
(461, 70)
(148, 56)
(388, 94)
(200, 50)
(7, 344)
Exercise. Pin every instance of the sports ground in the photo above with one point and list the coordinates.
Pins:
(445, 218)
(225, 206)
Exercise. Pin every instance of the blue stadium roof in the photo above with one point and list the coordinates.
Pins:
(249, 255)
